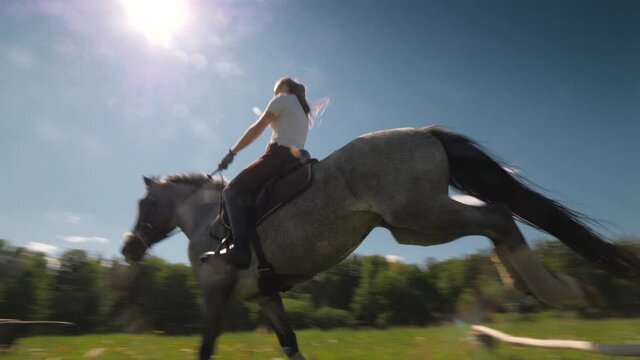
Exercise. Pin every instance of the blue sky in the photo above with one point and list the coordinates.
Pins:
(89, 104)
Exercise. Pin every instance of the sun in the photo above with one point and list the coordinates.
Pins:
(158, 20)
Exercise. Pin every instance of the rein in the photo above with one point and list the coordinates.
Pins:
(147, 244)
(219, 172)
(211, 175)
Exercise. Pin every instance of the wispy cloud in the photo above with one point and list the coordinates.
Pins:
(180, 111)
(54, 133)
(18, 56)
(394, 258)
(82, 239)
(42, 247)
(65, 216)
(73, 219)
(49, 131)
(183, 119)
(164, 121)
(64, 46)
(228, 69)
(91, 145)
(200, 128)
(195, 59)
(198, 61)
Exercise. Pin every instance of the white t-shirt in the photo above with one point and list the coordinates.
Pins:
(291, 124)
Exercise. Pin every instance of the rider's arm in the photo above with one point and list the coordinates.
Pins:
(254, 131)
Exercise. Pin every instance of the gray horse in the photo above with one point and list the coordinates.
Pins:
(397, 179)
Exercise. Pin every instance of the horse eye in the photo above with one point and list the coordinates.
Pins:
(149, 207)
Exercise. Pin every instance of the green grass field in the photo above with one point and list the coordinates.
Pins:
(442, 342)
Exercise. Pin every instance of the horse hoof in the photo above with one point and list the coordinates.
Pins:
(297, 356)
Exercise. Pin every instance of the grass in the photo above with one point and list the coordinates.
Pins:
(441, 342)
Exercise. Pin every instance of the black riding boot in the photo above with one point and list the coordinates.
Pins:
(240, 213)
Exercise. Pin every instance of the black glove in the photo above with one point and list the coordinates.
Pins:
(224, 164)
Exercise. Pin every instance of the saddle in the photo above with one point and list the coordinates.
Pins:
(294, 179)
(281, 190)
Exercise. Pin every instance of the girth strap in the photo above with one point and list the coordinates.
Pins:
(268, 281)
(257, 246)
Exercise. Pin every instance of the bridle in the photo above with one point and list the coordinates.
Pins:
(149, 235)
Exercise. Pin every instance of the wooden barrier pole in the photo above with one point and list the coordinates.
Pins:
(610, 349)
(8, 329)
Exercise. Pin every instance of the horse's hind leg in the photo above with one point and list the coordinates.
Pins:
(516, 256)
(273, 310)
(444, 220)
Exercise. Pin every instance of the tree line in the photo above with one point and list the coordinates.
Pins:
(107, 295)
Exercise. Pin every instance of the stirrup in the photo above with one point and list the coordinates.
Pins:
(227, 256)
(219, 251)
(225, 244)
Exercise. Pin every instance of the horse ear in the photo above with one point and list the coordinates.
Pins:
(150, 182)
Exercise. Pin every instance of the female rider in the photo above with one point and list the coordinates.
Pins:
(288, 116)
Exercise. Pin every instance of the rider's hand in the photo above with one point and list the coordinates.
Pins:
(224, 164)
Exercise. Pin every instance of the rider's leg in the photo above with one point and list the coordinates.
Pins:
(239, 196)
(239, 206)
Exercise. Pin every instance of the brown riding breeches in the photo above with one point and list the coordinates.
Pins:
(255, 176)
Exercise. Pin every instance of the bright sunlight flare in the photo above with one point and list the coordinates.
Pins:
(158, 20)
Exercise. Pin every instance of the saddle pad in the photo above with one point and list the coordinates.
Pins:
(280, 191)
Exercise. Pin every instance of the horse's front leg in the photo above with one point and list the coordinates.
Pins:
(273, 310)
(214, 305)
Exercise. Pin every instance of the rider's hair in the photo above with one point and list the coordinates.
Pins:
(298, 89)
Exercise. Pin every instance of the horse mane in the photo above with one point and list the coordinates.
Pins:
(194, 179)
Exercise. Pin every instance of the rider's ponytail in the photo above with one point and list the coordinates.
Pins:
(298, 90)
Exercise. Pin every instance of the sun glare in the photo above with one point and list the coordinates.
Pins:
(158, 20)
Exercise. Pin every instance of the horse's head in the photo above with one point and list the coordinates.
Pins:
(156, 219)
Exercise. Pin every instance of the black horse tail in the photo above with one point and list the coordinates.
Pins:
(473, 171)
